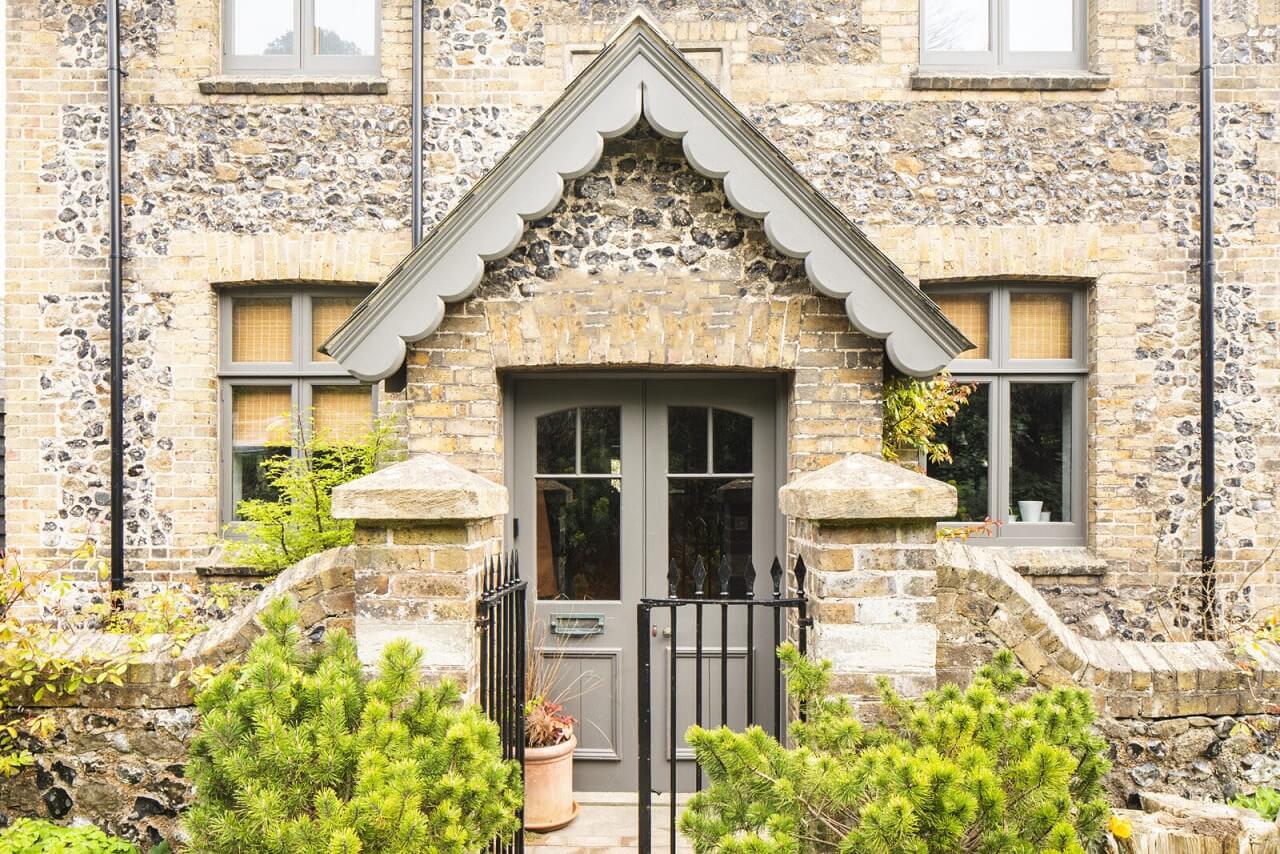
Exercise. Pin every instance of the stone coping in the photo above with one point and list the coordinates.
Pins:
(425, 488)
(1051, 560)
(230, 84)
(967, 79)
(863, 488)
(1130, 679)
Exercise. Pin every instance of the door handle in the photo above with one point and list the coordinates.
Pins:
(653, 632)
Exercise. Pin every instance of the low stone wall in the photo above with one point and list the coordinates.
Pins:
(1181, 717)
(117, 755)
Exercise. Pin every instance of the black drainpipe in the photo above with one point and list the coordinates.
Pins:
(415, 123)
(114, 75)
(1208, 337)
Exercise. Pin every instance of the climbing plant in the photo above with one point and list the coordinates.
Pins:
(915, 409)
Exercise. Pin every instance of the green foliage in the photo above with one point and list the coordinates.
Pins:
(300, 753)
(1265, 802)
(915, 409)
(299, 521)
(956, 771)
(31, 836)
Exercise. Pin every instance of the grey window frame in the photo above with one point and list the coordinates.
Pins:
(999, 57)
(301, 375)
(1001, 371)
(304, 60)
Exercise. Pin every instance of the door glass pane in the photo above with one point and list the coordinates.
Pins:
(262, 27)
(687, 439)
(345, 27)
(1040, 326)
(327, 314)
(731, 441)
(956, 25)
(971, 313)
(579, 538)
(557, 442)
(968, 439)
(262, 330)
(1040, 25)
(710, 518)
(342, 413)
(601, 440)
(1040, 438)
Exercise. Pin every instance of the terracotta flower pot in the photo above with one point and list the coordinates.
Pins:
(548, 786)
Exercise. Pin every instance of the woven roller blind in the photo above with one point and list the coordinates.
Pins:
(971, 314)
(262, 330)
(342, 412)
(1040, 326)
(260, 415)
(327, 314)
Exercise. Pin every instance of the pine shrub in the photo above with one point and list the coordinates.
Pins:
(301, 753)
(956, 771)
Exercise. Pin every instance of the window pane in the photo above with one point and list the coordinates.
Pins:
(1040, 326)
(260, 415)
(579, 539)
(956, 25)
(262, 27)
(687, 439)
(342, 413)
(968, 439)
(345, 27)
(601, 440)
(557, 442)
(262, 330)
(971, 313)
(248, 478)
(1040, 25)
(709, 518)
(327, 314)
(731, 434)
(1040, 436)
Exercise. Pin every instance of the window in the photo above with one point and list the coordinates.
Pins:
(271, 369)
(1018, 446)
(1003, 35)
(300, 36)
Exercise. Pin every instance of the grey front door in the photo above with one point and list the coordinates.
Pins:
(613, 480)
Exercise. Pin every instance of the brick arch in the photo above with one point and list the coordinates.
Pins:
(356, 257)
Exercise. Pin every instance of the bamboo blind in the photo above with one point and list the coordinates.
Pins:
(260, 415)
(327, 314)
(342, 412)
(1040, 326)
(971, 314)
(262, 330)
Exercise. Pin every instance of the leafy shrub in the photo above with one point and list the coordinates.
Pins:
(1265, 802)
(956, 771)
(299, 753)
(915, 409)
(299, 521)
(30, 836)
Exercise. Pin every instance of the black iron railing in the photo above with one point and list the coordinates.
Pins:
(778, 607)
(500, 620)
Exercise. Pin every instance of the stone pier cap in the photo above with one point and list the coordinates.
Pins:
(425, 488)
(863, 488)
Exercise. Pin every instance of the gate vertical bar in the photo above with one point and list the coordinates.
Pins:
(500, 619)
(699, 588)
(674, 734)
(644, 785)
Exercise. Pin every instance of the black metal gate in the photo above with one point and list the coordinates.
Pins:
(500, 620)
(778, 609)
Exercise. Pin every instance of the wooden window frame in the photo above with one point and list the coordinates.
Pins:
(304, 60)
(301, 375)
(1002, 371)
(999, 57)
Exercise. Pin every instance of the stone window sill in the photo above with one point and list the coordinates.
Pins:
(1045, 81)
(1037, 561)
(284, 85)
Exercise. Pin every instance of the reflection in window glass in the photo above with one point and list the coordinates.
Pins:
(260, 431)
(1040, 25)
(557, 442)
(710, 518)
(345, 27)
(687, 439)
(957, 25)
(1040, 435)
(968, 438)
(579, 538)
(731, 442)
(601, 440)
(263, 27)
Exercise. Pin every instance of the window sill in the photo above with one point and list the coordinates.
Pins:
(1042, 81)
(286, 85)
(1040, 561)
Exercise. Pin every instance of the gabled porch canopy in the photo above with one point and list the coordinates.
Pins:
(640, 74)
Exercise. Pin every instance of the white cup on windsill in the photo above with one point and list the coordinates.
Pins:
(1029, 511)
(1046, 516)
